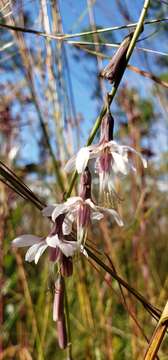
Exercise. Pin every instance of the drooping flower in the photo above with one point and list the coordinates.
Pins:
(111, 158)
(82, 209)
(61, 248)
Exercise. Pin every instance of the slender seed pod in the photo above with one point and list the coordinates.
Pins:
(115, 67)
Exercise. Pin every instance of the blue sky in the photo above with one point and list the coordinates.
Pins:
(75, 19)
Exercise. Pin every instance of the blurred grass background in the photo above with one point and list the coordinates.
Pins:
(50, 96)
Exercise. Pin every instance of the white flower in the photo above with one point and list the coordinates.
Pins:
(38, 245)
(118, 159)
(111, 158)
(83, 211)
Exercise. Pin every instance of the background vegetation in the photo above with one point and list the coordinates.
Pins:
(50, 97)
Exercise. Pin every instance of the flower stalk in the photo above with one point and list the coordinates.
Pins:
(97, 124)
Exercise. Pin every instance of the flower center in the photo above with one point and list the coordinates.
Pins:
(105, 160)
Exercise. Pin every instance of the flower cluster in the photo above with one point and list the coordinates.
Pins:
(110, 159)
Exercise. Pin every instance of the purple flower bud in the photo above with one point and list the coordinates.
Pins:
(58, 305)
(66, 265)
(105, 161)
(107, 127)
(62, 333)
(57, 226)
(84, 215)
(85, 185)
(54, 253)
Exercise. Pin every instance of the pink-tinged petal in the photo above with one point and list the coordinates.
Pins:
(129, 148)
(32, 251)
(48, 210)
(68, 248)
(26, 240)
(58, 210)
(40, 251)
(91, 204)
(67, 224)
(96, 216)
(82, 159)
(96, 150)
(73, 200)
(65, 207)
(119, 162)
(70, 165)
(52, 241)
(114, 146)
(112, 212)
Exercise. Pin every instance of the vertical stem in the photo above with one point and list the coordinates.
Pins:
(96, 41)
(158, 336)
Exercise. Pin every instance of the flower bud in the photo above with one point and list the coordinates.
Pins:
(107, 127)
(66, 266)
(62, 333)
(58, 305)
(85, 185)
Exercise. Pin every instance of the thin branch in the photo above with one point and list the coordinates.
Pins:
(148, 306)
(68, 36)
(72, 42)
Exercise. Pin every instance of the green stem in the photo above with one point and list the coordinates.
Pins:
(97, 124)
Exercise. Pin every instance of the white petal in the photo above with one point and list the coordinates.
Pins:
(91, 204)
(13, 152)
(112, 212)
(32, 251)
(129, 148)
(120, 164)
(65, 207)
(67, 224)
(70, 165)
(73, 200)
(114, 146)
(144, 161)
(47, 211)
(83, 251)
(58, 210)
(68, 248)
(82, 159)
(40, 251)
(52, 241)
(26, 240)
(96, 216)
